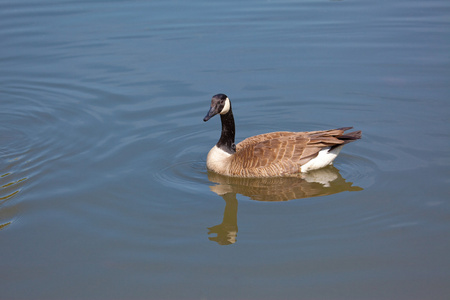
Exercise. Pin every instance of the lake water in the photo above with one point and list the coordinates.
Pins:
(104, 192)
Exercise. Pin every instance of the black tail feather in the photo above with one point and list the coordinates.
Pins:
(350, 137)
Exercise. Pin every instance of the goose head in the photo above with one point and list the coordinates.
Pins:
(220, 104)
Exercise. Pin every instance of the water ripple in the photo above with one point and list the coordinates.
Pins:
(42, 126)
(186, 170)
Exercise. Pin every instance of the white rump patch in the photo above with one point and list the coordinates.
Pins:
(323, 159)
(226, 107)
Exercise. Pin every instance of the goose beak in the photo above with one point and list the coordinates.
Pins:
(211, 113)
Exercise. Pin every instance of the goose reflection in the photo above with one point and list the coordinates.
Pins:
(326, 181)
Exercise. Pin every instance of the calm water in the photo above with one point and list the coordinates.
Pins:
(104, 192)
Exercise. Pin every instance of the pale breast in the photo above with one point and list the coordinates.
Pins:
(218, 160)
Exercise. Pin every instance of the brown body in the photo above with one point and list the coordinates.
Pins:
(283, 153)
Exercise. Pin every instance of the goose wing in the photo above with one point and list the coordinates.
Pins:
(280, 153)
(262, 138)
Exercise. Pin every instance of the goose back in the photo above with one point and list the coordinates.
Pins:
(284, 153)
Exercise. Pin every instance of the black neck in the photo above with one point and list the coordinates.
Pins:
(226, 141)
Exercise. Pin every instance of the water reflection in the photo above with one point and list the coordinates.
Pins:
(227, 230)
(326, 181)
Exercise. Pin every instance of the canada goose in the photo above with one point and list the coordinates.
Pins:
(271, 154)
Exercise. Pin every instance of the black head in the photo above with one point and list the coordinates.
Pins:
(220, 104)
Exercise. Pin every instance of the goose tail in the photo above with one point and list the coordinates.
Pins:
(351, 136)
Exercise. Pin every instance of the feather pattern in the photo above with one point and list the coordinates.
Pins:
(274, 154)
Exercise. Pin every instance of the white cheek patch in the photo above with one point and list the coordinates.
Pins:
(226, 107)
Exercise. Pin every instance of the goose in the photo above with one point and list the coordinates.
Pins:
(272, 154)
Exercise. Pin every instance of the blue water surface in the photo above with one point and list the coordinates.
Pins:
(104, 192)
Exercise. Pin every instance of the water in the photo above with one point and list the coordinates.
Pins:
(104, 192)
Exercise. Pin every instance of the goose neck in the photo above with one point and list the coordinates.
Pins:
(226, 141)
